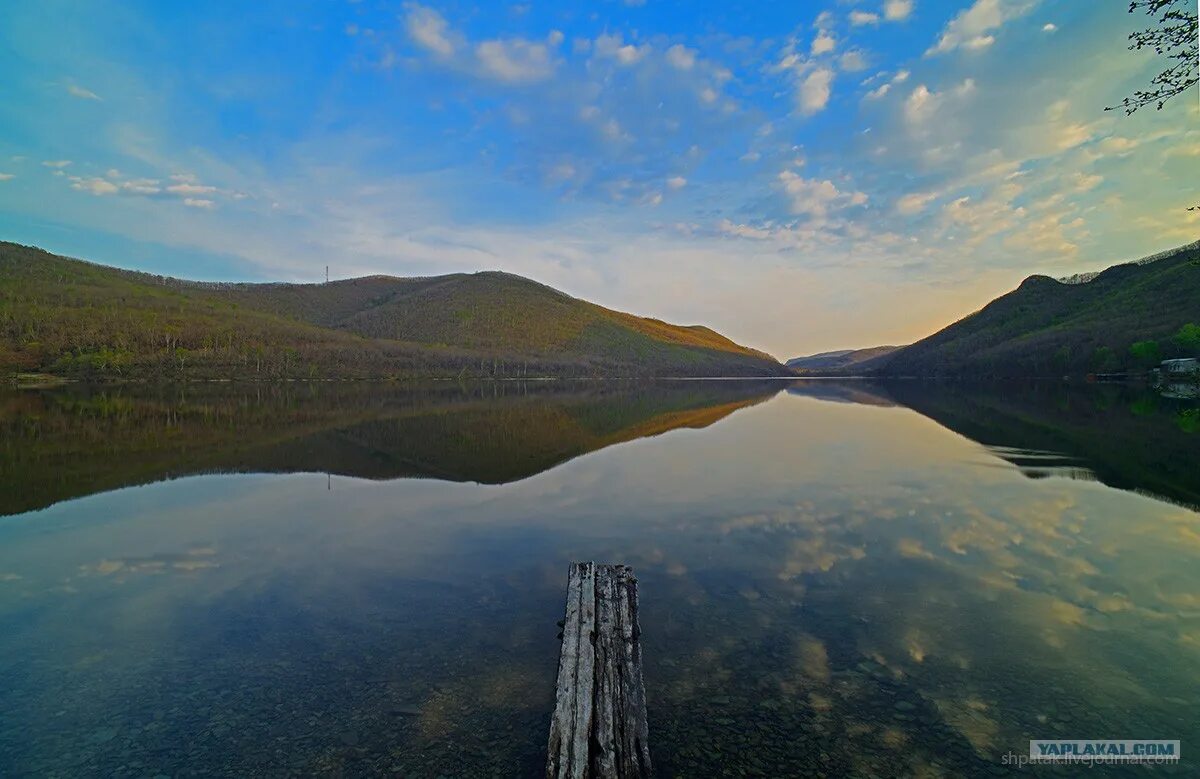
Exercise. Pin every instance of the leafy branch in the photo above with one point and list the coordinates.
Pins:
(1173, 38)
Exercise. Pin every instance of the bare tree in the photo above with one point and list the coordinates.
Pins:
(1174, 38)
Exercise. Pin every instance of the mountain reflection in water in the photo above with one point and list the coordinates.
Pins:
(67, 443)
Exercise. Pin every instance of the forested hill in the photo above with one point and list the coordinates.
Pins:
(1126, 318)
(65, 316)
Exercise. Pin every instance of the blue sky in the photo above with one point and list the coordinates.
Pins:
(798, 175)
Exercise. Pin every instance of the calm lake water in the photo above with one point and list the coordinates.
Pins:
(844, 578)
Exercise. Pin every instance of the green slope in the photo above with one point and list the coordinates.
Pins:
(64, 316)
(1049, 328)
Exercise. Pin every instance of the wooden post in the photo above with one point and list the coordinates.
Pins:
(599, 726)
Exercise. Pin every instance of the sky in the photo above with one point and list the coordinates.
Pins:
(800, 176)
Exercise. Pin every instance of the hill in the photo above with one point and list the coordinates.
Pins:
(1125, 318)
(839, 360)
(65, 316)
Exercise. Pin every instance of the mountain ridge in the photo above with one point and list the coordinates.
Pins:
(65, 316)
(838, 359)
(1122, 319)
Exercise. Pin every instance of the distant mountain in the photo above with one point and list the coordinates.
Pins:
(1124, 318)
(844, 358)
(65, 316)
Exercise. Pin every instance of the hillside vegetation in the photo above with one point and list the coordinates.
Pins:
(1126, 318)
(65, 316)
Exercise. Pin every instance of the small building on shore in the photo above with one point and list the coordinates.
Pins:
(1184, 366)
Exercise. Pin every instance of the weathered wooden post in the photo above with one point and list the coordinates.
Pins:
(599, 726)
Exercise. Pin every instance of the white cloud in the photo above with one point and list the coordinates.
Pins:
(141, 186)
(746, 231)
(84, 94)
(1116, 144)
(614, 47)
(815, 197)
(895, 10)
(978, 220)
(852, 61)
(429, 29)
(1038, 229)
(1045, 235)
(190, 189)
(1084, 182)
(815, 90)
(612, 130)
(57, 164)
(676, 182)
(914, 202)
(971, 29)
(504, 60)
(6, 176)
(185, 186)
(194, 202)
(1049, 27)
(560, 172)
(681, 57)
(629, 54)
(514, 60)
(95, 186)
(1062, 131)
(898, 78)
(860, 18)
(922, 103)
(823, 43)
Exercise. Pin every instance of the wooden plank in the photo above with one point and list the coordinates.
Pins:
(599, 729)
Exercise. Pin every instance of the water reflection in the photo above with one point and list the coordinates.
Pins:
(64, 443)
(843, 587)
(1125, 435)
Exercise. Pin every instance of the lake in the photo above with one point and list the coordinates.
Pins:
(838, 577)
